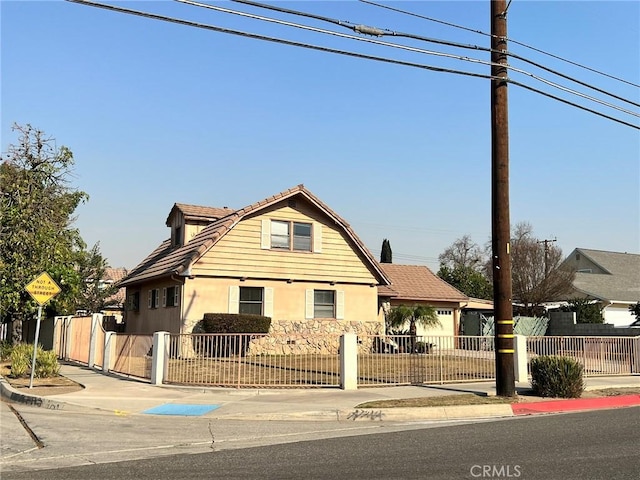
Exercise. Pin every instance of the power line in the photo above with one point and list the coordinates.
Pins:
(256, 36)
(336, 51)
(508, 40)
(394, 45)
(379, 32)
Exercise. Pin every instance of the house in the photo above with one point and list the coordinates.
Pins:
(610, 278)
(289, 257)
(415, 285)
(114, 305)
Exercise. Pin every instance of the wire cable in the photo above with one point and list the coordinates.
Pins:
(333, 50)
(402, 47)
(378, 32)
(509, 40)
(256, 36)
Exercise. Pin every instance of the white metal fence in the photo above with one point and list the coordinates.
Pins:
(252, 360)
(598, 355)
(307, 360)
(406, 360)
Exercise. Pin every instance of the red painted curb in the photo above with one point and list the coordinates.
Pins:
(553, 406)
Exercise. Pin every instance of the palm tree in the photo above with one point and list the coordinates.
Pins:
(425, 315)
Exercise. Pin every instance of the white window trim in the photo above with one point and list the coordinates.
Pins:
(310, 303)
(265, 235)
(234, 299)
(176, 296)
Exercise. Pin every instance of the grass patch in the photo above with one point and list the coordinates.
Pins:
(473, 399)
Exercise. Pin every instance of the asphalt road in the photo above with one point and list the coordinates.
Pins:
(592, 445)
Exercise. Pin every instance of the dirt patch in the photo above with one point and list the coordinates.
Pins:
(472, 399)
(42, 387)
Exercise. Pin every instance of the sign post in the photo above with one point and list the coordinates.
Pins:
(42, 289)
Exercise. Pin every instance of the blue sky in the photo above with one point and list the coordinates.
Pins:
(157, 113)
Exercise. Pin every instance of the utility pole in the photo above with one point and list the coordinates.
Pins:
(500, 223)
(546, 255)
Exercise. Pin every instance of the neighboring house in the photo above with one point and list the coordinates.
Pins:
(610, 278)
(289, 257)
(114, 305)
(417, 285)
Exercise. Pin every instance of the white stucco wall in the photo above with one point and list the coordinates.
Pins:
(618, 315)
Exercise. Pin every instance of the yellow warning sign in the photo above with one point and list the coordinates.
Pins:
(43, 288)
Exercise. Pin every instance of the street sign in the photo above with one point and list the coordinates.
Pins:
(43, 288)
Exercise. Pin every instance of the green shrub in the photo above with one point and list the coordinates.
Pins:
(5, 350)
(21, 357)
(422, 347)
(228, 323)
(553, 376)
(235, 323)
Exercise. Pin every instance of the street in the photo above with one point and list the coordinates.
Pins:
(590, 445)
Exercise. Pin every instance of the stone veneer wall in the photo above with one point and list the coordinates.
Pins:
(313, 336)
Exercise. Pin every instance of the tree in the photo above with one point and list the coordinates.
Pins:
(461, 266)
(635, 311)
(424, 315)
(36, 232)
(386, 254)
(464, 252)
(469, 281)
(92, 269)
(536, 277)
(587, 311)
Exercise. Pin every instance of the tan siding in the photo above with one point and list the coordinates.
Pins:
(211, 295)
(239, 253)
(148, 320)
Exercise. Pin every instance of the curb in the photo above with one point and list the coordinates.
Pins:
(444, 413)
(577, 404)
(9, 393)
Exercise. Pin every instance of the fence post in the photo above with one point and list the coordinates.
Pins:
(56, 335)
(520, 363)
(69, 335)
(95, 318)
(158, 357)
(349, 361)
(109, 347)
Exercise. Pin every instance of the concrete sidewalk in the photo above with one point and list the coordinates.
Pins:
(122, 396)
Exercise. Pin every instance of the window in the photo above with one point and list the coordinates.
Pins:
(133, 301)
(281, 236)
(171, 296)
(177, 236)
(324, 302)
(250, 300)
(154, 298)
(444, 312)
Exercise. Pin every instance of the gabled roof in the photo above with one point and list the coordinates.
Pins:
(198, 213)
(418, 283)
(620, 283)
(166, 260)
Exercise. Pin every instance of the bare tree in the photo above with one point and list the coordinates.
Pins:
(535, 276)
(464, 252)
(462, 266)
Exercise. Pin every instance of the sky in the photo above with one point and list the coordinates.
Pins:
(157, 113)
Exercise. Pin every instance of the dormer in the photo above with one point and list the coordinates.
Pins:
(186, 221)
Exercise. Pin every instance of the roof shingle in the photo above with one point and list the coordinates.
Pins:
(418, 283)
